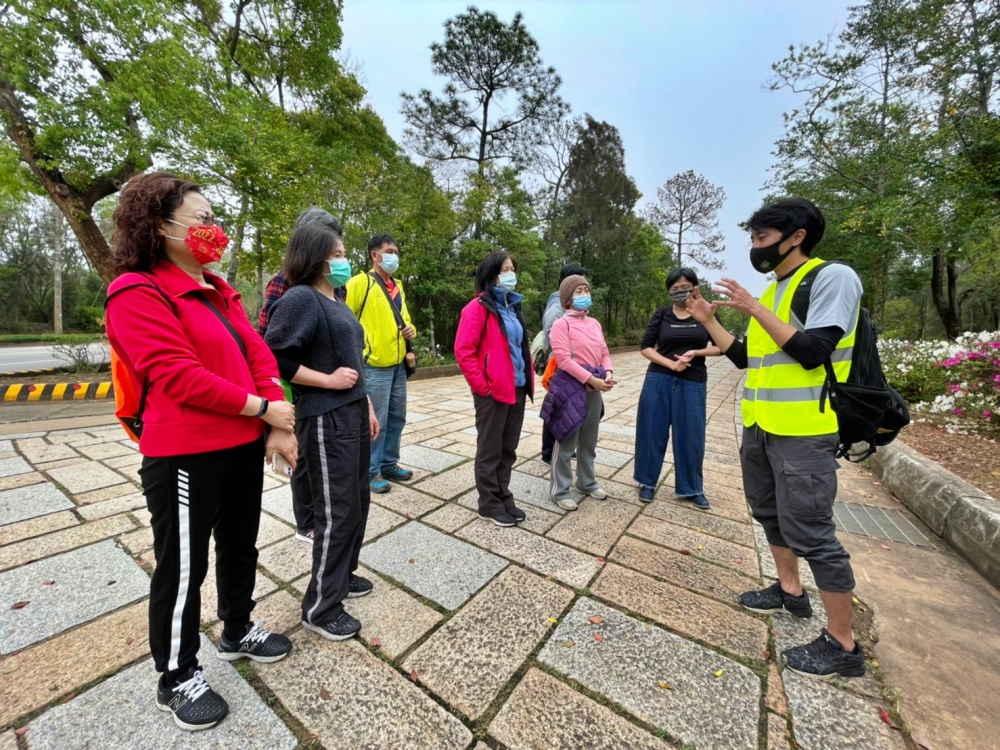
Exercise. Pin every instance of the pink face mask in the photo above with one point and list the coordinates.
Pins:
(206, 242)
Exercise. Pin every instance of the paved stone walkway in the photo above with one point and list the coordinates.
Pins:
(611, 627)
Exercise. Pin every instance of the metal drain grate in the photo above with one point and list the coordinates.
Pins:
(878, 523)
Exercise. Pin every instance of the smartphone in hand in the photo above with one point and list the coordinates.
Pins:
(279, 465)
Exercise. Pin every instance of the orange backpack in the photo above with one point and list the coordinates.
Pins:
(130, 395)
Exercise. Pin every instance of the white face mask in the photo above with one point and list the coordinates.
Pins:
(389, 263)
(508, 281)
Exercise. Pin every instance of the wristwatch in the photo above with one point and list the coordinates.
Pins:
(263, 408)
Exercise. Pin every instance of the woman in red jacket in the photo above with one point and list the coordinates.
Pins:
(492, 350)
(213, 385)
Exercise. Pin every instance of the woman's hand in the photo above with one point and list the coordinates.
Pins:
(678, 365)
(373, 425)
(598, 385)
(342, 379)
(283, 442)
(702, 310)
(280, 415)
(687, 356)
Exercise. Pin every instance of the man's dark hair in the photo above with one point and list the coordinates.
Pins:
(788, 215)
(678, 273)
(571, 269)
(319, 216)
(308, 248)
(489, 269)
(378, 240)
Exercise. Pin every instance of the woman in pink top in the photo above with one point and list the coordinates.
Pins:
(581, 352)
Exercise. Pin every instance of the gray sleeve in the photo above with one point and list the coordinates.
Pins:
(294, 318)
(834, 298)
(552, 314)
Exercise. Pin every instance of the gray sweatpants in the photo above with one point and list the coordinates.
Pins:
(790, 484)
(584, 442)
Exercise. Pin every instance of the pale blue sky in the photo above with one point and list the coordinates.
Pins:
(682, 80)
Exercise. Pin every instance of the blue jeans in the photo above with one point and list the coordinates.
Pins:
(387, 390)
(668, 403)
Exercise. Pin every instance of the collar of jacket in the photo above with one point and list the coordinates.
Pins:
(176, 282)
(507, 299)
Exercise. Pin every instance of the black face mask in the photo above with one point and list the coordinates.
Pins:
(767, 259)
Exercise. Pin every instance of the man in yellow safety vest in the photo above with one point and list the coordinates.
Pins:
(789, 443)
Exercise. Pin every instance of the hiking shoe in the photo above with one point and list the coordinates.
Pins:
(256, 644)
(547, 460)
(701, 502)
(379, 485)
(774, 599)
(519, 515)
(306, 536)
(504, 519)
(397, 474)
(192, 702)
(825, 657)
(646, 493)
(341, 629)
(358, 586)
(597, 493)
(567, 504)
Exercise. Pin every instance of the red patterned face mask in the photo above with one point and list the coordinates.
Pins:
(206, 242)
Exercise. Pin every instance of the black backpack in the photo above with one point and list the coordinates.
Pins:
(868, 409)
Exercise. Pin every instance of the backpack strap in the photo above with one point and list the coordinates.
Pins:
(225, 321)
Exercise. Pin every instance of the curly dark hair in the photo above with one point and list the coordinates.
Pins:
(145, 200)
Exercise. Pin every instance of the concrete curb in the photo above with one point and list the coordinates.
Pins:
(20, 393)
(28, 373)
(965, 516)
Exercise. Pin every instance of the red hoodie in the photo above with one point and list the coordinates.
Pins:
(199, 377)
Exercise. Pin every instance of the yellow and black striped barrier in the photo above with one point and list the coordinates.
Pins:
(20, 392)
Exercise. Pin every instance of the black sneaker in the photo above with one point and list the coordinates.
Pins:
(825, 657)
(504, 519)
(192, 702)
(519, 515)
(358, 586)
(256, 644)
(341, 629)
(774, 599)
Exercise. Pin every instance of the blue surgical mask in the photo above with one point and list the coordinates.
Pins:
(340, 272)
(582, 303)
(508, 281)
(390, 263)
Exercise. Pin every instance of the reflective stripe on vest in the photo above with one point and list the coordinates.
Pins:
(780, 395)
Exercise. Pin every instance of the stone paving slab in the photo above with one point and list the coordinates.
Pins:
(777, 733)
(278, 502)
(682, 570)
(738, 533)
(271, 530)
(380, 521)
(100, 451)
(440, 567)
(450, 518)
(428, 459)
(549, 558)
(539, 521)
(11, 466)
(287, 560)
(683, 612)
(39, 674)
(130, 697)
(632, 658)
(450, 484)
(8, 741)
(104, 493)
(80, 593)
(91, 475)
(699, 545)
(20, 480)
(115, 505)
(395, 618)
(543, 712)
(595, 526)
(37, 451)
(37, 526)
(367, 704)
(820, 711)
(473, 655)
(533, 491)
(30, 550)
(406, 501)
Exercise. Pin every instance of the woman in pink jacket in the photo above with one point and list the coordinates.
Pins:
(492, 350)
(581, 352)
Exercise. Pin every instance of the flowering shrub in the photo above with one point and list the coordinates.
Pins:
(959, 379)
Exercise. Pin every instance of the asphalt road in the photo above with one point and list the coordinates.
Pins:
(41, 357)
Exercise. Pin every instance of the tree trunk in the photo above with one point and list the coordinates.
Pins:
(944, 281)
(58, 240)
(430, 329)
(241, 225)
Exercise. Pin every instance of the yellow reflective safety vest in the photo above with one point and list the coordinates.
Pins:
(781, 395)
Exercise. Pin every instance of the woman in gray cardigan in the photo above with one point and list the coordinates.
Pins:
(318, 343)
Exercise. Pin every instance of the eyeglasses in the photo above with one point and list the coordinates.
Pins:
(205, 220)
(683, 290)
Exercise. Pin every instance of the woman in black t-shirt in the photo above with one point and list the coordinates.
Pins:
(673, 395)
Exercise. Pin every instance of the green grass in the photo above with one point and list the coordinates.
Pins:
(49, 338)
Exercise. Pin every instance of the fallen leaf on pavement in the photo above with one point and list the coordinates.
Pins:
(324, 694)
(414, 676)
(112, 583)
(568, 644)
(375, 642)
(921, 741)
(685, 551)
(886, 546)
(600, 559)
(596, 619)
(598, 637)
(701, 547)
(884, 716)
(20, 605)
(719, 672)
(21, 732)
(411, 561)
(855, 600)
(664, 685)
(767, 654)
(553, 620)
(738, 561)
(47, 583)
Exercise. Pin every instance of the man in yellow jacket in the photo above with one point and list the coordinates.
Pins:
(378, 301)
(788, 455)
